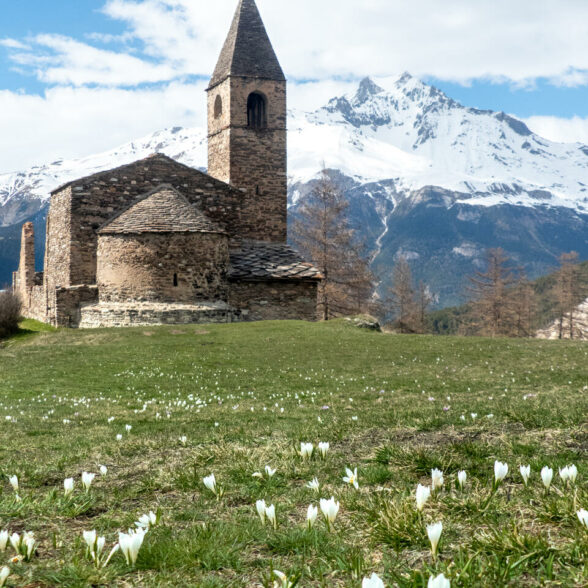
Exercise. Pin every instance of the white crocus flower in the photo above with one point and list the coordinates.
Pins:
(4, 537)
(90, 539)
(183, 439)
(260, 506)
(68, 486)
(24, 545)
(130, 544)
(323, 449)
(462, 478)
(500, 472)
(439, 582)
(14, 483)
(269, 471)
(96, 547)
(314, 484)
(330, 509)
(583, 517)
(147, 521)
(373, 581)
(281, 580)
(87, 480)
(525, 473)
(4, 573)
(351, 477)
(434, 532)
(437, 478)
(547, 477)
(210, 483)
(119, 437)
(103, 470)
(311, 515)
(568, 474)
(15, 542)
(306, 450)
(572, 473)
(270, 513)
(423, 493)
(257, 475)
(128, 428)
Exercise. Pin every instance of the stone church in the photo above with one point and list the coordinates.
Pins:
(157, 242)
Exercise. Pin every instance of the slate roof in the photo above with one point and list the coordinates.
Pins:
(265, 261)
(247, 50)
(162, 210)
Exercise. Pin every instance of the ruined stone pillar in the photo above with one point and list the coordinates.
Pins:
(26, 268)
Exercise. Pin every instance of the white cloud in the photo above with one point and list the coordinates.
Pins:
(96, 97)
(74, 63)
(561, 130)
(13, 44)
(74, 122)
(457, 40)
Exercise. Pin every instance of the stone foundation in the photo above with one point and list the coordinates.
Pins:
(145, 314)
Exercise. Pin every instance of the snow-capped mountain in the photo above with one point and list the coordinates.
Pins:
(426, 177)
(417, 136)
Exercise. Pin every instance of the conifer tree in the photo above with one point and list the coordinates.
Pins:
(322, 233)
(402, 296)
(567, 293)
(490, 291)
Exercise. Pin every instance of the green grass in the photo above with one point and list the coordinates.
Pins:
(393, 406)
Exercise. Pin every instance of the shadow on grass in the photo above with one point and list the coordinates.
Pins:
(27, 328)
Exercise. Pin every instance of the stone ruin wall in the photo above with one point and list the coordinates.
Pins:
(58, 248)
(97, 201)
(252, 159)
(66, 304)
(26, 282)
(276, 300)
(141, 267)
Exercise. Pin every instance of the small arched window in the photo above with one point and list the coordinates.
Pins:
(256, 111)
(175, 280)
(218, 106)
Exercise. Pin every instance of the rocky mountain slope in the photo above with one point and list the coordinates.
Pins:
(426, 177)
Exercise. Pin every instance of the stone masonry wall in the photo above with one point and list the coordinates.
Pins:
(277, 300)
(65, 304)
(97, 199)
(142, 267)
(26, 267)
(141, 314)
(254, 160)
(37, 304)
(58, 243)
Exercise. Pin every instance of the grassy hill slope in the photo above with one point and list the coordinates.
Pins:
(245, 396)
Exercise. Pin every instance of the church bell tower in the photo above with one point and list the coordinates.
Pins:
(247, 125)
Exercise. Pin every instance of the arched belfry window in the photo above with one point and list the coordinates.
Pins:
(256, 111)
(218, 107)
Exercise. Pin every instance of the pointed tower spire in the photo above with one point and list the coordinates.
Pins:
(247, 51)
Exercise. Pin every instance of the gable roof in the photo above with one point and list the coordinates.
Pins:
(247, 51)
(270, 261)
(154, 157)
(162, 210)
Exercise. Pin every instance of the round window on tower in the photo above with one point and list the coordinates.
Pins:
(218, 107)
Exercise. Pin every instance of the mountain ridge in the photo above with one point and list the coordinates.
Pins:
(425, 175)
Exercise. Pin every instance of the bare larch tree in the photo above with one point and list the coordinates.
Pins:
(322, 233)
(490, 292)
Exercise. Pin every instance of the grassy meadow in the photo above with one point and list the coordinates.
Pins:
(163, 407)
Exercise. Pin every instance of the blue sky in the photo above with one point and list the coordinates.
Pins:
(70, 69)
